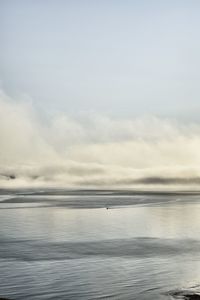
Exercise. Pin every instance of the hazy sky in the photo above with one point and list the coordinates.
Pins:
(121, 58)
(109, 84)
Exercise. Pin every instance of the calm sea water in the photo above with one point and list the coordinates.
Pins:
(94, 245)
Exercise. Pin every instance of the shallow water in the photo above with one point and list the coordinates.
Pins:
(68, 245)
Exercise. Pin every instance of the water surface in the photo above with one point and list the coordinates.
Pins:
(98, 245)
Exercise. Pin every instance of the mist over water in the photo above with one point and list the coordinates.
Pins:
(90, 150)
(99, 150)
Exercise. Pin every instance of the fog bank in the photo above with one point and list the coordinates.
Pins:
(90, 150)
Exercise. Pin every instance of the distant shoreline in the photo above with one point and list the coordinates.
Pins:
(94, 191)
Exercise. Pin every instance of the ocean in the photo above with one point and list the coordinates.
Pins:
(95, 244)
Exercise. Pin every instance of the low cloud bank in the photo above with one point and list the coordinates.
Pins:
(95, 151)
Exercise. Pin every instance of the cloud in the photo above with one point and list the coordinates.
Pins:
(92, 150)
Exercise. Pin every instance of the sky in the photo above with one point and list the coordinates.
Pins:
(100, 93)
(119, 58)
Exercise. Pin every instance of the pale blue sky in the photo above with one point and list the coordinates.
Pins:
(122, 58)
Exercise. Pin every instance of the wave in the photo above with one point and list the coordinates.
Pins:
(30, 250)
